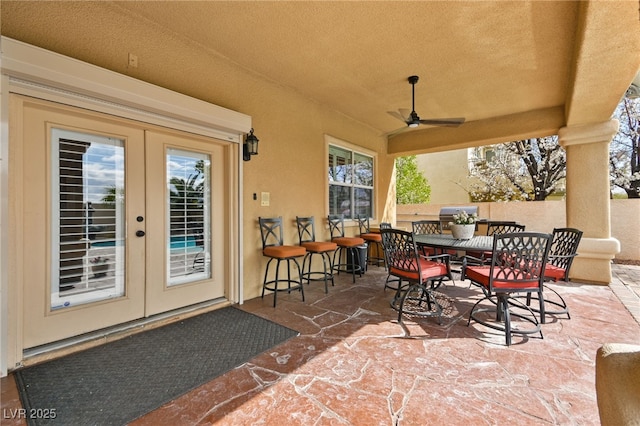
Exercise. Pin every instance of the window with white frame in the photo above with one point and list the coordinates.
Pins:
(351, 182)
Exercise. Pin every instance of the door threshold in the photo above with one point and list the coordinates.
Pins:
(49, 351)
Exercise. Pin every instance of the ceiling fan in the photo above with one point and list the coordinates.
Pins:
(413, 120)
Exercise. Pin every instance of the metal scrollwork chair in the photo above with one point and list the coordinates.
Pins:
(505, 227)
(422, 227)
(274, 248)
(350, 244)
(517, 266)
(564, 248)
(421, 272)
(426, 227)
(307, 236)
(389, 282)
(493, 228)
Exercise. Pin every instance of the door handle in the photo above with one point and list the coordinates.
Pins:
(139, 233)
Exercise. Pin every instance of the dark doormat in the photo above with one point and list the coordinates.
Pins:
(120, 381)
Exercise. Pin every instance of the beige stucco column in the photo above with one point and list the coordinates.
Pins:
(588, 204)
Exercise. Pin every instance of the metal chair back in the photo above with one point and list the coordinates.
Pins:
(564, 248)
(427, 227)
(363, 224)
(518, 261)
(271, 231)
(306, 229)
(336, 225)
(499, 228)
(401, 252)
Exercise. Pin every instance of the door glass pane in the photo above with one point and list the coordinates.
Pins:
(189, 230)
(87, 209)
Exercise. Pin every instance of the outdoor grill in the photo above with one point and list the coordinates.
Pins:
(446, 214)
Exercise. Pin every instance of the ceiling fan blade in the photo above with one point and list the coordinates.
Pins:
(397, 131)
(445, 122)
(397, 115)
(406, 114)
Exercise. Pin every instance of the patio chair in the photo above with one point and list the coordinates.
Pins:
(564, 248)
(426, 227)
(373, 239)
(493, 228)
(307, 237)
(274, 248)
(517, 266)
(421, 272)
(421, 227)
(391, 282)
(503, 227)
(349, 245)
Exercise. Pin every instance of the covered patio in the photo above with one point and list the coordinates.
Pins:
(353, 364)
(327, 75)
(513, 70)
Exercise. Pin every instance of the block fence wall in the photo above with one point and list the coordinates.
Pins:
(541, 216)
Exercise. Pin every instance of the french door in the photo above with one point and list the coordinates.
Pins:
(120, 221)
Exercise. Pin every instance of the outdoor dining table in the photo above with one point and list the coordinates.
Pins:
(478, 243)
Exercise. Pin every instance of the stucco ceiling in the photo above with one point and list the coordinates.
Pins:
(511, 68)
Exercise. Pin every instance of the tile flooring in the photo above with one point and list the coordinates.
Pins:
(353, 364)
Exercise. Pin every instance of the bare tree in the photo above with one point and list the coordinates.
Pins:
(529, 169)
(624, 153)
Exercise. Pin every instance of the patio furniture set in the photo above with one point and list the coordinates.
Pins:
(508, 264)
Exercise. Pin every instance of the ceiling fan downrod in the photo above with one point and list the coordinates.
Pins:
(414, 119)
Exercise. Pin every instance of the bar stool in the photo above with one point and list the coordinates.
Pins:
(351, 244)
(274, 249)
(374, 239)
(307, 235)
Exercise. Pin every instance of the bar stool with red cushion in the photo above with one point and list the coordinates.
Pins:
(273, 247)
(517, 266)
(350, 244)
(374, 240)
(405, 263)
(307, 236)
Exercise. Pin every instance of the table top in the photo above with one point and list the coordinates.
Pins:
(446, 241)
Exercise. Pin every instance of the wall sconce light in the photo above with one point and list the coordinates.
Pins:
(250, 146)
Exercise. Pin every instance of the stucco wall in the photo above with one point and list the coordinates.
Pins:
(447, 173)
(291, 167)
(542, 216)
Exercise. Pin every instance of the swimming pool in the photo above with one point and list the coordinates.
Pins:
(178, 242)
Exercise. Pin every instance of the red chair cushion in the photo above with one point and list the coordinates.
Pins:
(284, 252)
(554, 272)
(319, 246)
(429, 269)
(372, 237)
(480, 275)
(348, 241)
(429, 251)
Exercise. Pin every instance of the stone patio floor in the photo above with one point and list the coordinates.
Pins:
(353, 364)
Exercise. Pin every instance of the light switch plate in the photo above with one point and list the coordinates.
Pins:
(264, 199)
